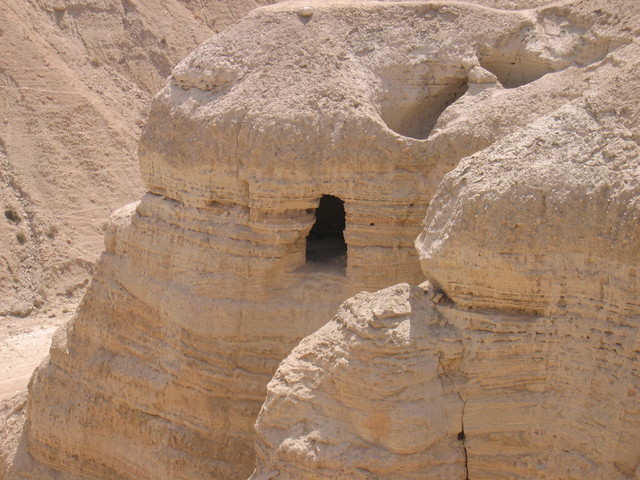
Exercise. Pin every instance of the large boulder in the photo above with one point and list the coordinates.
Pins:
(368, 395)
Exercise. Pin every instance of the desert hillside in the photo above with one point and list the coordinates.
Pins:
(76, 78)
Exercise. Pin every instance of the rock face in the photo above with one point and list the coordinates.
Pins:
(368, 394)
(523, 359)
(351, 113)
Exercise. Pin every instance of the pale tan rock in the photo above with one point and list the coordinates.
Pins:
(366, 395)
(398, 387)
(204, 288)
(533, 247)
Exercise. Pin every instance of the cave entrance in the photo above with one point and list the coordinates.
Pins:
(325, 242)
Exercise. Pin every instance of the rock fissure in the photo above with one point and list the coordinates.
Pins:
(463, 438)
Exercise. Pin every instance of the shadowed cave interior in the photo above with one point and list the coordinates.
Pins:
(325, 242)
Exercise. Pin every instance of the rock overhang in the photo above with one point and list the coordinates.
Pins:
(555, 198)
(260, 107)
(371, 102)
(355, 89)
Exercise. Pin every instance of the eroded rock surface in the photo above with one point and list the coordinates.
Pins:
(205, 285)
(365, 395)
(523, 360)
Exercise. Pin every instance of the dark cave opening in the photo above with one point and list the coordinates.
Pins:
(325, 242)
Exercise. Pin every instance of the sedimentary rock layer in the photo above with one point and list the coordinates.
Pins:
(398, 386)
(522, 360)
(205, 285)
(367, 395)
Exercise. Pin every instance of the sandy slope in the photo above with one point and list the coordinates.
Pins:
(23, 345)
(76, 77)
(75, 81)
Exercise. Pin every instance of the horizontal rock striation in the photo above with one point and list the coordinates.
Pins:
(366, 395)
(205, 284)
(404, 384)
(521, 358)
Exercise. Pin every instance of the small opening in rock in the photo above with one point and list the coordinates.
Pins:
(461, 436)
(514, 67)
(413, 110)
(325, 242)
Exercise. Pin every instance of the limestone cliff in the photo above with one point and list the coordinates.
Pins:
(367, 396)
(288, 163)
(522, 361)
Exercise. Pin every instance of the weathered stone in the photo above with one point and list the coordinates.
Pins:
(205, 285)
(528, 367)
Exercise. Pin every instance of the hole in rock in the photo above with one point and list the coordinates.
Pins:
(514, 67)
(413, 108)
(325, 242)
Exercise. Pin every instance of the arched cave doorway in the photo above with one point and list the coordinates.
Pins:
(325, 242)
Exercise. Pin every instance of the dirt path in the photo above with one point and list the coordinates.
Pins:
(24, 342)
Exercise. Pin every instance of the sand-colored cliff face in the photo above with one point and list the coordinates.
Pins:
(365, 397)
(266, 142)
(204, 286)
(76, 78)
(528, 367)
(399, 387)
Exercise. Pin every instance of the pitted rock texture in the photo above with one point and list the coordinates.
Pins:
(204, 286)
(547, 217)
(367, 395)
(398, 386)
(267, 143)
(532, 247)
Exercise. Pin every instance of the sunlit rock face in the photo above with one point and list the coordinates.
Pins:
(519, 359)
(367, 394)
(348, 114)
